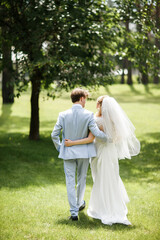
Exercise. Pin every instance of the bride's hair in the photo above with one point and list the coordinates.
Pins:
(100, 101)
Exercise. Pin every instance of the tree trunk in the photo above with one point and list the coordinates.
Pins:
(129, 78)
(7, 79)
(34, 122)
(156, 60)
(142, 66)
(157, 43)
(145, 75)
(123, 68)
(156, 77)
(128, 63)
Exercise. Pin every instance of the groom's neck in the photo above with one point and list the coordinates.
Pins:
(78, 103)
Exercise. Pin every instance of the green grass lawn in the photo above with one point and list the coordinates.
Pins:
(33, 198)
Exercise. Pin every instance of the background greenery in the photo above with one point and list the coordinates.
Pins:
(57, 45)
(33, 198)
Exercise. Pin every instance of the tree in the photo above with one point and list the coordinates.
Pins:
(157, 41)
(143, 52)
(7, 73)
(143, 42)
(128, 62)
(64, 43)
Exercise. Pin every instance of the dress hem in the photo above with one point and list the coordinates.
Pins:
(109, 221)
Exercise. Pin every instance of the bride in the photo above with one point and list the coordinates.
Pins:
(109, 197)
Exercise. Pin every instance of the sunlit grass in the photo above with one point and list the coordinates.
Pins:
(33, 199)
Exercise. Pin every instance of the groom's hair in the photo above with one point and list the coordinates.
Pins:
(77, 93)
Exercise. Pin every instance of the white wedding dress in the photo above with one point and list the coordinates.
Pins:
(108, 197)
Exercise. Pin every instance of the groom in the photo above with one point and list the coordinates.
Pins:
(76, 123)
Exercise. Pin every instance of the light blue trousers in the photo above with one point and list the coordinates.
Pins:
(70, 166)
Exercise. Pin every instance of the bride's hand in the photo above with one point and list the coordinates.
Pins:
(68, 143)
(101, 128)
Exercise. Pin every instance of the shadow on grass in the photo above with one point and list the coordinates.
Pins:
(133, 89)
(151, 100)
(132, 95)
(147, 89)
(90, 223)
(26, 163)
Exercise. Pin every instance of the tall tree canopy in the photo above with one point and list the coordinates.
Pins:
(63, 43)
(142, 43)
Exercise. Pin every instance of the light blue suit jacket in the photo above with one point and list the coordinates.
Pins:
(76, 123)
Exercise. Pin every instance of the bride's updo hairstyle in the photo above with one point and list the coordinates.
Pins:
(77, 93)
(100, 101)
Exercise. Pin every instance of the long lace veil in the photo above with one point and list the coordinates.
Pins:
(119, 128)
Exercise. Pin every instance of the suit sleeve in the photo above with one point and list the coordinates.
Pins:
(56, 132)
(95, 130)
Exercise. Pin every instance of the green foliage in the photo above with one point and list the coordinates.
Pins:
(140, 42)
(71, 42)
(77, 42)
